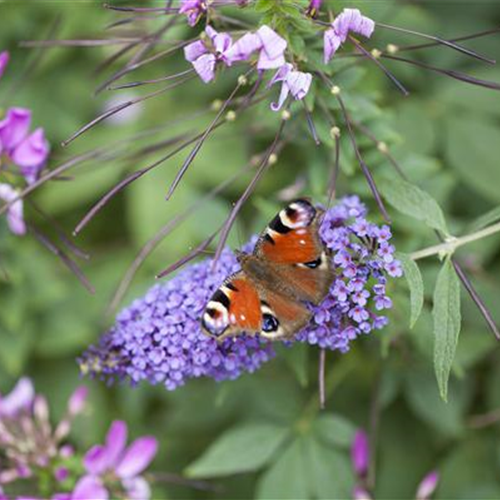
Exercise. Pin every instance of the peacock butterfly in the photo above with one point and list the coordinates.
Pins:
(288, 269)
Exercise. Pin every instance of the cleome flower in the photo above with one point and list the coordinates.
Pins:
(114, 462)
(348, 20)
(293, 82)
(158, 338)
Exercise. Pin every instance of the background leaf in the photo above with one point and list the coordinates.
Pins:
(416, 285)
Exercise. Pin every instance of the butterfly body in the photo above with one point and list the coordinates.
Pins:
(288, 269)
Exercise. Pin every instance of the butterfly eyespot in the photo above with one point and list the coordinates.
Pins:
(313, 264)
(269, 323)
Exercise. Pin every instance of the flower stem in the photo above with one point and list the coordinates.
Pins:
(449, 247)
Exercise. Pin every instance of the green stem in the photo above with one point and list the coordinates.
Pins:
(448, 247)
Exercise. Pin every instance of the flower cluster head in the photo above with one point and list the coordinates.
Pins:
(159, 339)
(22, 153)
(28, 441)
(31, 450)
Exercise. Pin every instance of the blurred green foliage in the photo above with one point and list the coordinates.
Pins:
(263, 436)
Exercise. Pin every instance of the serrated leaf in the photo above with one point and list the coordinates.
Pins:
(241, 449)
(416, 285)
(447, 320)
(410, 200)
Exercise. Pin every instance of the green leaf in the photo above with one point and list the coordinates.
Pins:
(472, 148)
(486, 219)
(335, 430)
(446, 313)
(287, 477)
(416, 285)
(298, 361)
(241, 449)
(413, 201)
(328, 471)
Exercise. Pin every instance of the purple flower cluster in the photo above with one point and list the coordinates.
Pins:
(28, 152)
(158, 338)
(363, 258)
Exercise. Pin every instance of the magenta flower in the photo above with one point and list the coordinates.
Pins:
(19, 399)
(428, 486)
(193, 9)
(4, 60)
(114, 459)
(28, 151)
(348, 20)
(359, 493)
(15, 218)
(360, 453)
(294, 82)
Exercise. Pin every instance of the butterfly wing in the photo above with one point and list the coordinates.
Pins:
(294, 251)
(234, 308)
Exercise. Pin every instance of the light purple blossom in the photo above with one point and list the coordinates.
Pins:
(20, 399)
(359, 493)
(193, 9)
(294, 82)
(125, 463)
(428, 486)
(28, 151)
(158, 338)
(4, 60)
(313, 8)
(360, 453)
(15, 212)
(204, 55)
(348, 20)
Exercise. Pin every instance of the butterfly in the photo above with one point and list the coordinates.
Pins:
(289, 269)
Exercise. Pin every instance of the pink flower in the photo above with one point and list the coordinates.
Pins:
(28, 152)
(348, 20)
(271, 46)
(4, 60)
(20, 398)
(220, 48)
(15, 218)
(125, 463)
(428, 486)
(293, 82)
(204, 57)
(194, 9)
(359, 493)
(360, 453)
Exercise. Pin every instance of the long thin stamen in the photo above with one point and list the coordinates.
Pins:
(119, 107)
(389, 75)
(149, 82)
(72, 266)
(441, 41)
(321, 379)
(199, 144)
(160, 236)
(248, 191)
(457, 75)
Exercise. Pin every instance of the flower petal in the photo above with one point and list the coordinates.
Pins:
(137, 488)
(299, 84)
(137, 457)
(428, 486)
(360, 452)
(243, 48)
(90, 487)
(272, 44)
(14, 127)
(31, 154)
(332, 43)
(115, 442)
(194, 50)
(77, 400)
(23, 394)
(205, 67)
(95, 460)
